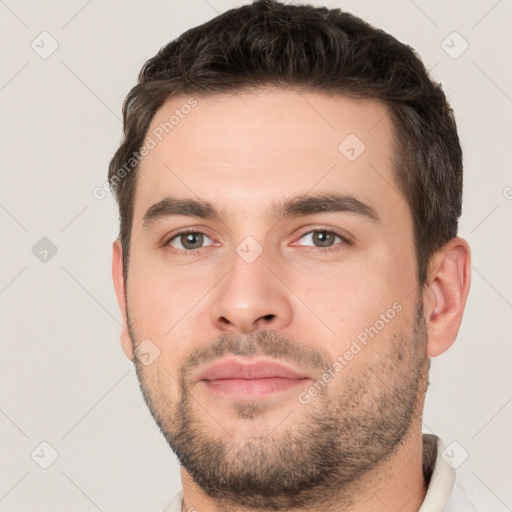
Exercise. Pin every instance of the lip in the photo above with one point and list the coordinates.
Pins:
(253, 369)
(252, 378)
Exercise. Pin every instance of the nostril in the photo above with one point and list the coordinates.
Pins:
(268, 317)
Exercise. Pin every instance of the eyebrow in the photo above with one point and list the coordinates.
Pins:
(299, 206)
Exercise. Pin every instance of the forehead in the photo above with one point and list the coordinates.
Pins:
(249, 148)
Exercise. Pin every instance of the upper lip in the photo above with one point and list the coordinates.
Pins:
(252, 369)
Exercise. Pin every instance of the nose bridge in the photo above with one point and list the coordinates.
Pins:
(250, 296)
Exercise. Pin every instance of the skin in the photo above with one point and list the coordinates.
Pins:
(243, 152)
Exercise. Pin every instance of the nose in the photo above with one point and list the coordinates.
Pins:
(251, 297)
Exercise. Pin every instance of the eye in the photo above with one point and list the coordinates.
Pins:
(320, 238)
(189, 240)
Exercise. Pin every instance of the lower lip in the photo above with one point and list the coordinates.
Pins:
(252, 387)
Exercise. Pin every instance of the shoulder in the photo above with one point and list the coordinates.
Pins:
(175, 504)
(459, 501)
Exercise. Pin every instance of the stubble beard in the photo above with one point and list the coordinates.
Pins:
(328, 446)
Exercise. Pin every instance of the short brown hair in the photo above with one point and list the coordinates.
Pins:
(317, 49)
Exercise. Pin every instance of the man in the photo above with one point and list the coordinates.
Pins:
(289, 186)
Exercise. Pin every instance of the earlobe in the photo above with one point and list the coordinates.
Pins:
(445, 294)
(119, 285)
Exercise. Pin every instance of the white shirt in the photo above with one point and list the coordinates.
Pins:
(443, 495)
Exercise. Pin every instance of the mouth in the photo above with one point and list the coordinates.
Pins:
(250, 379)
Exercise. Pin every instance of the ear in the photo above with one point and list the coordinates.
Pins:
(119, 285)
(445, 294)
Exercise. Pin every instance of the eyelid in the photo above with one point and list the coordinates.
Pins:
(167, 239)
(345, 237)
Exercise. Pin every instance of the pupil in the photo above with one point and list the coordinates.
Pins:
(192, 240)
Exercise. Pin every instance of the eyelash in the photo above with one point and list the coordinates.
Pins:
(336, 247)
(180, 252)
(192, 252)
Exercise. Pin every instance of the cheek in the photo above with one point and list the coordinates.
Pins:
(148, 306)
(163, 306)
(159, 383)
(362, 302)
(158, 296)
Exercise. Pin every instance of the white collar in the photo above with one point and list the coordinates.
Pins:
(442, 480)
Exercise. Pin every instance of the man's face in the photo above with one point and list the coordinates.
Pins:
(264, 275)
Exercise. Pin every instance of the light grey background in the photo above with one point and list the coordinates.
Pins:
(64, 378)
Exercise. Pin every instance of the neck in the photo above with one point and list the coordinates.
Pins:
(396, 483)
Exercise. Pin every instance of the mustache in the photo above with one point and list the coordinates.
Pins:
(258, 343)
